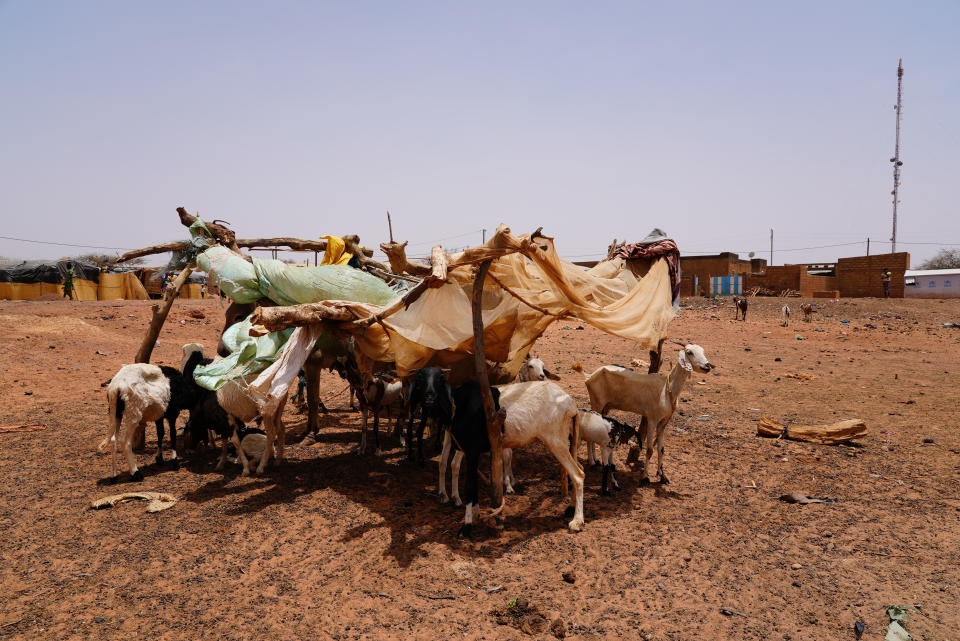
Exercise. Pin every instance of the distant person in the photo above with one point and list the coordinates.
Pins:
(885, 279)
(68, 283)
(164, 282)
(203, 290)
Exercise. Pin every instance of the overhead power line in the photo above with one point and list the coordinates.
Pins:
(47, 242)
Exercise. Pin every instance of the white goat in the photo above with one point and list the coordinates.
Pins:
(785, 315)
(653, 396)
(534, 369)
(607, 433)
(136, 394)
(537, 410)
(241, 408)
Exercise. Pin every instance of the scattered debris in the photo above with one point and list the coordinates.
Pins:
(570, 576)
(899, 615)
(858, 628)
(519, 614)
(730, 612)
(799, 337)
(490, 589)
(803, 499)
(27, 427)
(950, 325)
(840, 432)
(800, 376)
(158, 501)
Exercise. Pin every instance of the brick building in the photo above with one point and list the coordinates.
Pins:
(696, 271)
(852, 277)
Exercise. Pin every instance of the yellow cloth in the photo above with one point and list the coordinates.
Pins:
(335, 253)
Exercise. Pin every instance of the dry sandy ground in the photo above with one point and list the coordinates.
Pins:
(330, 545)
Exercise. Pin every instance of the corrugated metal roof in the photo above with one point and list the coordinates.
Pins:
(931, 272)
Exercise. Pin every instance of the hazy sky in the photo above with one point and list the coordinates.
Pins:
(712, 120)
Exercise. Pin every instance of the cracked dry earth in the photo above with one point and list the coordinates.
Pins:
(332, 545)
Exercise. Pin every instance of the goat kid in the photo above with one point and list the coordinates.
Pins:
(740, 303)
(608, 433)
(785, 316)
(807, 310)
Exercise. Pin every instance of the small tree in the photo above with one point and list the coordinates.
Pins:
(943, 259)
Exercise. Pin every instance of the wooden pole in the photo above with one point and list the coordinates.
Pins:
(390, 225)
(494, 421)
(160, 315)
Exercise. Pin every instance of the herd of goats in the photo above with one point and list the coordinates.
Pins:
(535, 409)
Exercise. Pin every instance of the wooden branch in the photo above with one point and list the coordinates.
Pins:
(223, 235)
(494, 419)
(160, 315)
(272, 319)
(352, 241)
(296, 244)
(397, 255)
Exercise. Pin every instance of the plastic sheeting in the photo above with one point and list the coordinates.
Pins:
(246, 282)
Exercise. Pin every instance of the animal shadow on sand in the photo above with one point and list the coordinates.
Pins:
(404, 496)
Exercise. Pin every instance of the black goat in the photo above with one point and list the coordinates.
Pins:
(469, 432)
(430, 393)
(184, 394)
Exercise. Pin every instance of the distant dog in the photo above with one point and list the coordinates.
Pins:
(785, 315)
(741, 307)
(807, 310)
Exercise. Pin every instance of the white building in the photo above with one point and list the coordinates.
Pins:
(931, 283)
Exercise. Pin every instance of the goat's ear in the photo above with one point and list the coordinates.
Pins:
(550, 375)
(684, 361)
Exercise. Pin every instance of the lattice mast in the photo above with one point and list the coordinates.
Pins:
(897, 163)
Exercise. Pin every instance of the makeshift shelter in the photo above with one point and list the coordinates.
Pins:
(121, 286)
(529, 288)
(33, 278)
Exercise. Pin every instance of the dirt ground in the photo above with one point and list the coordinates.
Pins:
(332, 545)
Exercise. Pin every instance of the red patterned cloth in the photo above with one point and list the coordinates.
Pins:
(666, 248)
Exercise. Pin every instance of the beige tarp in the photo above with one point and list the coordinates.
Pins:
(83, 290)
(121, 287)
(438, 327)
(191, 290)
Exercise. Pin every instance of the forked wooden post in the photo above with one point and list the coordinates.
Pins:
(494, 422)
(160, 315)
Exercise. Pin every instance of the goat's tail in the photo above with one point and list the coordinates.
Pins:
(578, 367)
(116, 406)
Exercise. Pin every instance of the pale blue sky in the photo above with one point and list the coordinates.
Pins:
(714, 121)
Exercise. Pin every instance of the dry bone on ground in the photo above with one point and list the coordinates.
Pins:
(330, 545)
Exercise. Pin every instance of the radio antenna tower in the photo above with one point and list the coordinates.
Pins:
(897, 163)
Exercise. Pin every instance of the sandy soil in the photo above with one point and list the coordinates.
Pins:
(330, 545)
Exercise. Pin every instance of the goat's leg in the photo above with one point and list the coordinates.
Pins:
(471, 491)
(444, 458)
(649, 438)
(607, 453)
(560, 448)
(362, 449)
(410, 435)
(661, 429)
(455, 477)
(129, 432)
(160, 441)
(312, 377)
(174, 460)
(422, 426)
(376, 431)
(223, 453)
(235, 439)
(591, 454)
(508, 479)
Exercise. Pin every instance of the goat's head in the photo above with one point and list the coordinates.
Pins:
(534, 367)
(188, 350)
(692, 357)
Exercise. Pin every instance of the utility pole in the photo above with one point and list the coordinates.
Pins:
(390, 225)
(897, 163)
(484, 236)
(868, 246)
(771, 247)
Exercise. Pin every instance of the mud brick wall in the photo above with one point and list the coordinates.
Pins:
(776, 278)
(810, 284)
(704, 267)
(859, 276)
